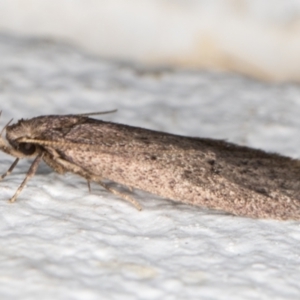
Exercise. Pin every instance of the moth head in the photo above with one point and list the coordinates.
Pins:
(17, 134)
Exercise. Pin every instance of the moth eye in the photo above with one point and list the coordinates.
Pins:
(27, 148)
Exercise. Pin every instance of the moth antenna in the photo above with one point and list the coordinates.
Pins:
(4, 126)
(98, 113)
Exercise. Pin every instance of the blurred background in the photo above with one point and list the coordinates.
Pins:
(257, 38)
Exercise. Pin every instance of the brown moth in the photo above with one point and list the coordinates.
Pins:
(198, 171)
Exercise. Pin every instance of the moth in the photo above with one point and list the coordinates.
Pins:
(199, 171)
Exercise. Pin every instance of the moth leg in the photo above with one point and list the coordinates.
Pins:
(57, 167)
(29, 174)
(53, 164)
(90, 177)
(122, 195)
(89, 185)
(10, 169)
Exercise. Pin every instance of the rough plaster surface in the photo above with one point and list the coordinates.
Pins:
(58, 241)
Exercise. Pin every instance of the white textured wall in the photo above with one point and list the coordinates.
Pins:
(254, 37)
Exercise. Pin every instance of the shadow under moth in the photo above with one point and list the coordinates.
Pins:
(198, 171)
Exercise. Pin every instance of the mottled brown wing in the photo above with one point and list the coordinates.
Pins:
(204, 172)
